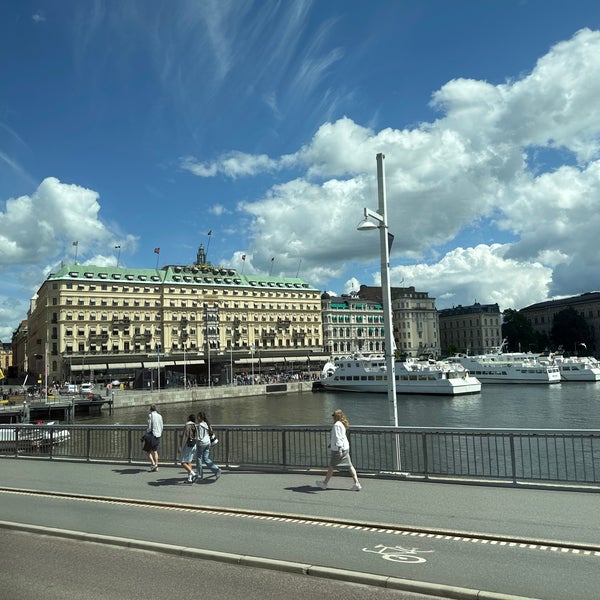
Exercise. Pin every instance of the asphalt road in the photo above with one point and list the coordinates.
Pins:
(453, 559)
(35, 566)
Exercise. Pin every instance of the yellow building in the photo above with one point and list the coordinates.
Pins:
(104, 323)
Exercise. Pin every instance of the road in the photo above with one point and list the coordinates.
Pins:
(450, 538)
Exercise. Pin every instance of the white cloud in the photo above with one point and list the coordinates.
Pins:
(469, 169)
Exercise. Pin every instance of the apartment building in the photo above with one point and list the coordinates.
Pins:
(352, 324)
(103, 323)
(475, 329)
(541, 315)
(414, 319)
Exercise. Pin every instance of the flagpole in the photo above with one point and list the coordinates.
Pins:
(271, 270)
(118, 254)
(299, 265)
(243, 262)
(208, 245)
(76, 244)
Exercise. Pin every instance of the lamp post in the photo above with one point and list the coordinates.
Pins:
(381, 223)
(252, 352)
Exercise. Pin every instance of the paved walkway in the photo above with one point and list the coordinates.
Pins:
(531, 514)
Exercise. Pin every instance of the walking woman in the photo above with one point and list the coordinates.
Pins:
(340, 451)
(189, 437)
(203, 447)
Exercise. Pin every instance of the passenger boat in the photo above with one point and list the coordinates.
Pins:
(31, 436)
(508, 367)
(574, 368)
(368, 374)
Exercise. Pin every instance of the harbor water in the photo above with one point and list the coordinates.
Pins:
(557, 406)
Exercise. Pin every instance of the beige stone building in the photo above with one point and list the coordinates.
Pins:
(105, 323)
(475, 329)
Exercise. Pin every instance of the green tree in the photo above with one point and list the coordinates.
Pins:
(518, 332)
(570, 330)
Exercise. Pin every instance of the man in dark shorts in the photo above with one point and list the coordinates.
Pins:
(152, 438)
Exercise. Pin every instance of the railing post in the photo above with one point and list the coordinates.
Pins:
(425, 455)
(513, 458)
(283, 448)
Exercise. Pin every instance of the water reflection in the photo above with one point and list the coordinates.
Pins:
(560, 406)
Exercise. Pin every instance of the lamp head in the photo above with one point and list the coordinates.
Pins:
(366, 225)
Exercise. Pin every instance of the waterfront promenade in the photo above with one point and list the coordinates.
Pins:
(443, 539)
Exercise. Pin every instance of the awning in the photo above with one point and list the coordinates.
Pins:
(99, 367)
(135, 365)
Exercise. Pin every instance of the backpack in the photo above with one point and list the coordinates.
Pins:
(192, 435)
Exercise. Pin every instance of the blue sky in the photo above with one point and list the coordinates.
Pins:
(149, 124)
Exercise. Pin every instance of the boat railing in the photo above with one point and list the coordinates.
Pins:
(560, 457)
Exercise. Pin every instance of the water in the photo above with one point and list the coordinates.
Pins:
(559, 406)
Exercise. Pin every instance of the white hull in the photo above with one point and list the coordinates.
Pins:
(508, 368)
(574, 368)
(369, 375)
(30, 437)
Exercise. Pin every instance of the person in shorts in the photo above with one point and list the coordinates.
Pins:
(152, 439)
(340, 451)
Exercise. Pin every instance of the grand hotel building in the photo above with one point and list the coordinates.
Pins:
(104, 323)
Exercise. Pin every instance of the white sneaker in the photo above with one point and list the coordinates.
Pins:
(321, 484)
(356, 487)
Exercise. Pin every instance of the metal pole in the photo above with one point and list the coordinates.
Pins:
(386, 293)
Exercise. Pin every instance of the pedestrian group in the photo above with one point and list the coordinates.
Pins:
(197, 437)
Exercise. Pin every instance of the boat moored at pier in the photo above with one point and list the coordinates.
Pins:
(368, 374)
(508, 367)
(574, 368)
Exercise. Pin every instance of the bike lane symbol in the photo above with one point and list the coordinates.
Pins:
(398, 553)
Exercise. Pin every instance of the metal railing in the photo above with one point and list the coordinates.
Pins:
(565, 457)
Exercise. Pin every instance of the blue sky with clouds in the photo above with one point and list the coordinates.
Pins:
(149, 124)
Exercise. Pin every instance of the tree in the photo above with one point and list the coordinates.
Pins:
(518, 332)
(570, 330)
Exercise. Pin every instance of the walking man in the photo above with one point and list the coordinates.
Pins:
(155, 428)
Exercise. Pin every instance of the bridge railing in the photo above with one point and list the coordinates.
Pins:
(567, 457)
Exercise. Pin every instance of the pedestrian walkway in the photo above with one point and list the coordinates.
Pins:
(532, 514)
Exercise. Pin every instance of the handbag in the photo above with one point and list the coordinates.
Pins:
(214, 440)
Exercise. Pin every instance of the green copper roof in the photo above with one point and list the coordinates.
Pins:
(179, 274)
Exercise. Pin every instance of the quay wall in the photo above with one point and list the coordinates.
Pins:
(122, 399)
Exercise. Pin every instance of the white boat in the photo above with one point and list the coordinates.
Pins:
(368, 374)
(31, 437)
(574, 368)
(508, 367)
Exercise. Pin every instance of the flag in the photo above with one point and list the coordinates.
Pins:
(75, 243)
(243, 257)
(210, 232)
(156, 250)
(117, 247)
(273, 259)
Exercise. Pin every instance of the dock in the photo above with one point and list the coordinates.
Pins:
(62, 408)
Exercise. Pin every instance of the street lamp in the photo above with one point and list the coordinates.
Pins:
(252, 351)
(381, 223)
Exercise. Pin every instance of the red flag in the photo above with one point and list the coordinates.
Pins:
(243, 257)
(156, 250)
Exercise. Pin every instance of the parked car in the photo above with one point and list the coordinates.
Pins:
(86, 387)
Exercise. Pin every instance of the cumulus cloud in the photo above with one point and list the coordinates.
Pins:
(37, 232)
(472, 168)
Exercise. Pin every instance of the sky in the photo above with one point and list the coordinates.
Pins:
(252, 128)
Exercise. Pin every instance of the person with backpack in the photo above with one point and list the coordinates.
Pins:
(205, 440)
(189, 437)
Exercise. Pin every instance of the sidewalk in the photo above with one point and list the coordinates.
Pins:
(524, 513)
